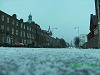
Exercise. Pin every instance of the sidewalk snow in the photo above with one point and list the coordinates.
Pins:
(49, 61)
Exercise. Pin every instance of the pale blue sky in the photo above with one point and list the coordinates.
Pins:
(61, 14)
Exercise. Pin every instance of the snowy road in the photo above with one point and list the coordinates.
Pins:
(46, 61)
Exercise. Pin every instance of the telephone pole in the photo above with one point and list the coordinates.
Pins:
(98, 19)
(78, 30)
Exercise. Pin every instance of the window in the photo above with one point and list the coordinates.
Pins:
(21, 34)
(12, 40)
(27, 34)
(24, 26)
(24, 34)
(21, 25)
(16, 23)
(30, 35)
(2, 17)
(30, 28)
(16, 32)
(30, 41)
(7, 19)
(8, 39)
(2, 27)
(12, 31)
(16, 41)
(27, 27)
(24, 41)
(7, 28)
(13, 22)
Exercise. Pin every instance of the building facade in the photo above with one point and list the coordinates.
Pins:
(15, 31)
(83, 39)
(94, 34)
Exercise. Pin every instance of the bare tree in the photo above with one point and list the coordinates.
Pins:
(76, 41)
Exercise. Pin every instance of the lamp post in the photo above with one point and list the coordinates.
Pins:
(53, 30)
(78, 29)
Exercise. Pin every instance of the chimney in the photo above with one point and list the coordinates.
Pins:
(14, 15)
(21, 20)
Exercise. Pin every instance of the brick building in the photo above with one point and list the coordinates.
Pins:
(14, 31)
(93, 36)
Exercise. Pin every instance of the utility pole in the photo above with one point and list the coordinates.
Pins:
(78, 30)
(98, 20)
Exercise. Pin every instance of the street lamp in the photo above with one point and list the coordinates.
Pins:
(53, 30)
(78, 29)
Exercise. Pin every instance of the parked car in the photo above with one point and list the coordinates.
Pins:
(6, 45)
(1, 45)
(38, 46)
(19, 45)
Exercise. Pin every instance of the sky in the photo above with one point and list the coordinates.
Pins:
(61, 15)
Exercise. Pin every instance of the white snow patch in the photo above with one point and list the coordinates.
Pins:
(49, 61)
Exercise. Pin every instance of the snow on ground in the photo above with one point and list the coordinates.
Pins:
(49, 61)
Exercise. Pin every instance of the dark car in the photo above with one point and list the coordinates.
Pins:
(5, 45)
(1, 45)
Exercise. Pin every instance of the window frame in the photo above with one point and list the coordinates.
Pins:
(2, 27)
(13, 31)
(3, 18)
(8, 19)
